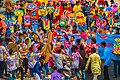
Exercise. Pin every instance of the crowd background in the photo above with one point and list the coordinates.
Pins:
(65, 39)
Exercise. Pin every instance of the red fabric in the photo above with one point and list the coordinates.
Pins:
(101, 1)
(70, 9)
(38, 3)
(54, 34)
(90, 46)
(54, 5)
(61, 10)
(0, 24)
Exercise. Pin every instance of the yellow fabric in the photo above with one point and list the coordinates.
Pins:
(19, 18)
(77, 8)
(95, 63)
(45, 1)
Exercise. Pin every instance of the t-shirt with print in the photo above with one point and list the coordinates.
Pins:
(11, 63)
(76, 60)
(2, 51)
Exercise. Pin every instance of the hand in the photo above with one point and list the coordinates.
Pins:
(86, 68)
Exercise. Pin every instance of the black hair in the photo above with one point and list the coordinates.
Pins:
(61, 46)
(67, 26)
(74, 48)
(24, 33)
(20, 34)
(95, 27)
(78, 40)
(93, 50)
(73, 36)
(93, 40)
(41, 46)
(74, 26)
(31, 48)
(81, 47)
(54, 68)
(103, 43)
(10, 51)
(59, 50)
(77, 2)
(1, 40)
(27, 39)
(42, 57)
(0, 19)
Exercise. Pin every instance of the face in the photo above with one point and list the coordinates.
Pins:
(72, 39)
(24, 35)
(95, 29)
(52, 29)
(58, 28)
(26, 41)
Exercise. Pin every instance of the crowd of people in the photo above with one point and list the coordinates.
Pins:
(57, 40)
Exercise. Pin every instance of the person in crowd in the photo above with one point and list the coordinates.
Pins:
(3, 57)
(76, 57)
(95, 64)
(107, 60)
(56, 75)
(8, 6)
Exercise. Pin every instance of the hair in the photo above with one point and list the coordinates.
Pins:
(0, 19)
(74, 48)
(93, 50)
(42, 57)
(74, 26)
(24, 33)
(67, 26)
(95, 27)
(31, 49)
(1, 40)
(10, 51)
(73, 36)
(94, 40)
(61, 46)
(103, 43)
(59, 50)
(19, 41)
(81, 47)
(78, 41)
(77, 2)
(54, 68)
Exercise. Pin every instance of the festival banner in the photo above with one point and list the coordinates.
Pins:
(111, 40)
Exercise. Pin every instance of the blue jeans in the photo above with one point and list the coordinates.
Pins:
(83, 74)
(116, 67)
(75, 72)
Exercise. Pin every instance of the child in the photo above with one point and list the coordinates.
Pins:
(75, 64)
(11, 63)
(56, 75)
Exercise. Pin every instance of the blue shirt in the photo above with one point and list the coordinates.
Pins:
(107, 56)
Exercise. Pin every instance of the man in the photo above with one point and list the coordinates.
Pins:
(2, 59)
(107, 60)
(56, 75)
(8, 6)
(77, 7)
(95, 63)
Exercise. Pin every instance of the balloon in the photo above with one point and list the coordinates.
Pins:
(62, 23)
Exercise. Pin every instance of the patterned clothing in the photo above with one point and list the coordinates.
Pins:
(76, 60)
(2, 51)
